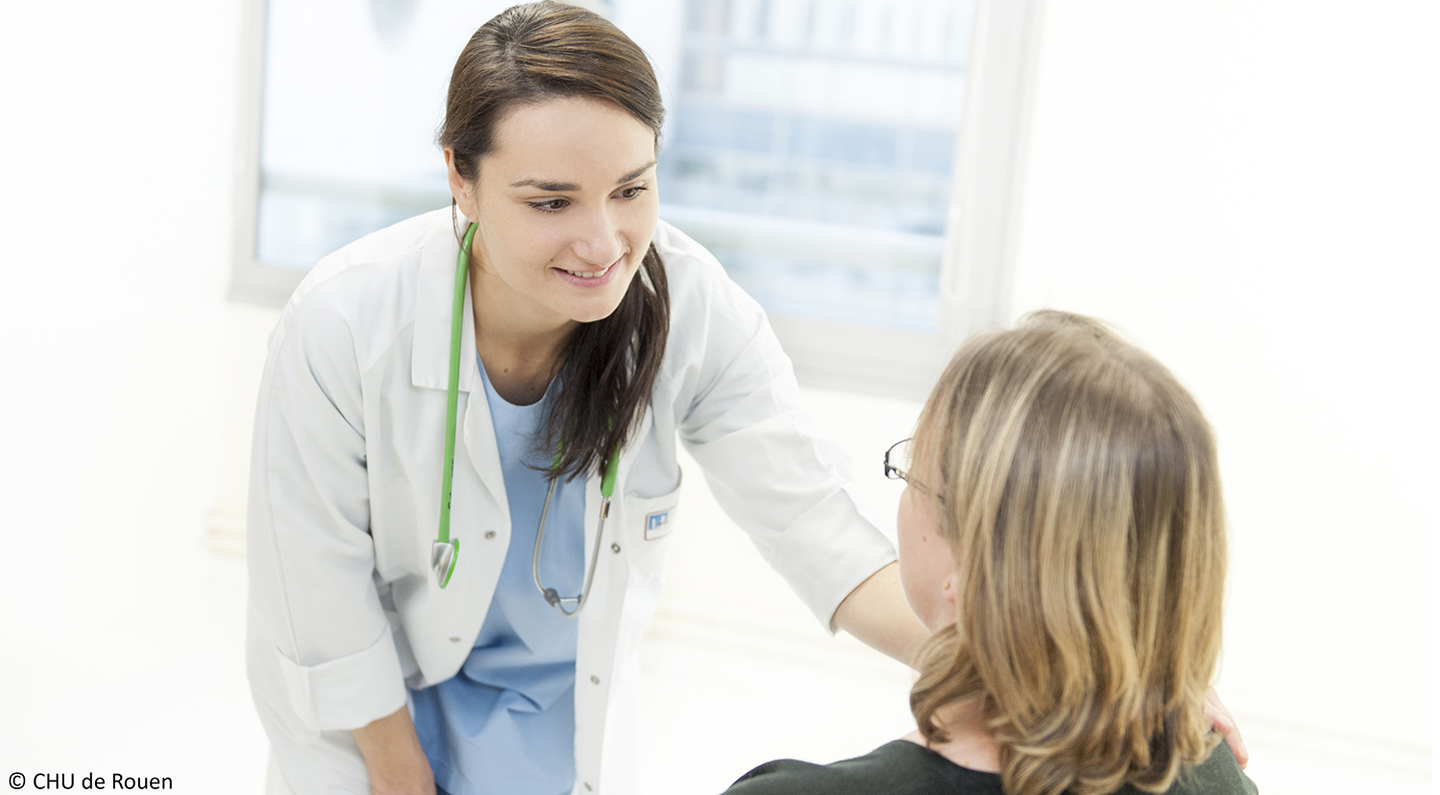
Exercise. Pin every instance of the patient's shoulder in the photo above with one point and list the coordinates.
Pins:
(897, 768)
(1220, 774)
(904, 768)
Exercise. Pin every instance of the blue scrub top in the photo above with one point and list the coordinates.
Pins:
(506, 722)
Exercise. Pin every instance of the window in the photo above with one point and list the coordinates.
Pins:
(339, 128)
(851, 162)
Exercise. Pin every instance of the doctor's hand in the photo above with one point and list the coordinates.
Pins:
(393, 756)
(1224, 723)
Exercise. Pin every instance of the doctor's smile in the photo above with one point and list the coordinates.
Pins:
(587, 276)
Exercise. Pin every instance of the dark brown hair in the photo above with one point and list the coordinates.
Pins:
(1083, 510)
(529, 54)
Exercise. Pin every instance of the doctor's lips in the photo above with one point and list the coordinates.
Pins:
(589, 274)
(595, 278)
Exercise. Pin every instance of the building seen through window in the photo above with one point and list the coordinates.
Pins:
(811, 145)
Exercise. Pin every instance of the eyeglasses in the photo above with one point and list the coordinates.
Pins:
(900, 452)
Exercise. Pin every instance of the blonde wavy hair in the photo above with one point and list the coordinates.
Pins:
(1082, 503)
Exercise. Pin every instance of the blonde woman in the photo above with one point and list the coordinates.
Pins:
(1062, 534)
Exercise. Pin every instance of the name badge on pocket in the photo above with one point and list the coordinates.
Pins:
(657, 525)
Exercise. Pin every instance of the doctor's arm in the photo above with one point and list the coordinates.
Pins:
(779, 478)
(877, 614)
(393, 756)
(321, 652)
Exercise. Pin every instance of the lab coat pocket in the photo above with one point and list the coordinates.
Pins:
(650, 529)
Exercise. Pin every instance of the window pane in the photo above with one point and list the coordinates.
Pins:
(810, 149)
(353, 94)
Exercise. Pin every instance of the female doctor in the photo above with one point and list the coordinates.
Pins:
(453, 598)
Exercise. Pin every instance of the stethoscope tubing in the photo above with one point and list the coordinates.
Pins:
(446, 550)
(551, 595)
(452, 405)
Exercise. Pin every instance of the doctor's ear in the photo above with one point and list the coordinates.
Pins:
(462, 189)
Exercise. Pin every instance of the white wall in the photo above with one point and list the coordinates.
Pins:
(1249, 189)
(119, 634)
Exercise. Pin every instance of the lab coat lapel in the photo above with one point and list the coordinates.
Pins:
(614, 525)
(478, 429)
(599, 654)
(430, 354)
(430, 358)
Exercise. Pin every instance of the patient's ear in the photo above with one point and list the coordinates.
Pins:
(950, 587)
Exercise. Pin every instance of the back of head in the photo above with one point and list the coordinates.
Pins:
(1082, 503)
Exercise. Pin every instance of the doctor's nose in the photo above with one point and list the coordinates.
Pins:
(598, 242)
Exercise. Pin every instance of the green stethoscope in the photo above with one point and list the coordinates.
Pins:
(446, 549)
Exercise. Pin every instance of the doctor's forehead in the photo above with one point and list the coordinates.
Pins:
(573, 142)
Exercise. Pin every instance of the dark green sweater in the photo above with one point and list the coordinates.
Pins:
(904, 768)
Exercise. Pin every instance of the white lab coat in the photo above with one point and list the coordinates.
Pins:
(345, 484)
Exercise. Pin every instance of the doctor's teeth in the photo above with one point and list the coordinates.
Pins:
(592, 275)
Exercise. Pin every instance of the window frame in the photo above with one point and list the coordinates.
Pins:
(253, 281)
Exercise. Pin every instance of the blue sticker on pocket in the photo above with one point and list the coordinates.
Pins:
(657, 525)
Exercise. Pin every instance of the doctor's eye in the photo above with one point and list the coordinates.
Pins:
(634, 191)
(551, 205)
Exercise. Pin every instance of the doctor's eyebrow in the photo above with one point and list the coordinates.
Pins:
(637, 172)
(561, 187)
(545, 186)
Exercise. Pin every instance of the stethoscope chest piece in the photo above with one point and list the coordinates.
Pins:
(442, 560)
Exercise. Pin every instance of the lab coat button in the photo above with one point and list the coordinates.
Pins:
(615, 548)
(489, 534)
(587, 787)
(594, 680)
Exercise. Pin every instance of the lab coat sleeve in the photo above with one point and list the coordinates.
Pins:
(310, 554)
(772, 471)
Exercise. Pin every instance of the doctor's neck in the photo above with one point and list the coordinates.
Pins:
(521, 348)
